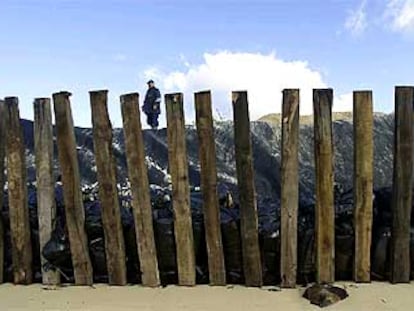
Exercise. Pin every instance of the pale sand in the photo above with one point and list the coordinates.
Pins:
(376, 296)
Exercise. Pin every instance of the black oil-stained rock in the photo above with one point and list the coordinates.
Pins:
(324, 295)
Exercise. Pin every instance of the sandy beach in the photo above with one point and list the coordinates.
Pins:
(375, 296)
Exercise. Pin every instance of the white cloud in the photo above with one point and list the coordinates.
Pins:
(356, 22)
(343, 102)
(400, 14)
(263, 76)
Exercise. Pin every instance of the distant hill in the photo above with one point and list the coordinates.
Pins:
(266, 141)
(274, 118)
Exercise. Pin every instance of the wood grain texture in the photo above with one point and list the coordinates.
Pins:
(46, 206)
(108, 192)
(141, 200)
(18, 202)
(3, 122)
(247, 193)
(289, 187)
(402, 185)
(363, 183)
(324, 207)
(69, 166)
(207, 155)
(178, 167)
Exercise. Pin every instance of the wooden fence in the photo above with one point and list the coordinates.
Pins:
(12, 147)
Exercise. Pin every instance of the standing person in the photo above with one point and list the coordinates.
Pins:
(152, 104)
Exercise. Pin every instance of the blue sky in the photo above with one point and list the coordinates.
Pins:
(188, 46)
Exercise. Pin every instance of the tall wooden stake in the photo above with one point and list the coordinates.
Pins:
(141, 201)
(108, 192)
(2, 155)
(363, 183)
(402, 185)
(75, 216)
(46, 207)
(325, 212)
(207, 154)
(18, 204)
(178, 166)
(247, 193)
(289, 187)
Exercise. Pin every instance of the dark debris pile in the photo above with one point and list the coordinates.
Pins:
(57, 250)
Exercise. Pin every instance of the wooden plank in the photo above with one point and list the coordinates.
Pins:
(108, 192)
(141, 200)
(289, 187)
(69, 166)
(324, 207)
(178, 166)
(363, 183)
(2, 180)
(18, 204)
(402, 185)
(247, 192)
(207, 155)
(46, 206)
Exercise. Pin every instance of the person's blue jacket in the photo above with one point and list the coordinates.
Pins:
(152, 101)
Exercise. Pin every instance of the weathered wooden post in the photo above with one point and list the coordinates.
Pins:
(289, 187)
(207, 155)
(75, 214)
(141, 201)
(178, 167)
(2, 155)
(363, 183)
(247, 193)
(402, 185)
(324, 207)
(18, 204)
(46, 207)
(108, 192)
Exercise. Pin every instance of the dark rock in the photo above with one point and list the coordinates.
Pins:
(324, 295)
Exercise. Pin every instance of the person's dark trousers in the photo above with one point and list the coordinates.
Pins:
(152, 120)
